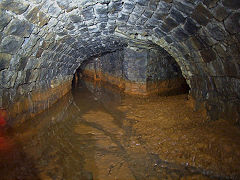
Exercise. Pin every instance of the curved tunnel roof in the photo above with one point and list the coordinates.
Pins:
(44, 39)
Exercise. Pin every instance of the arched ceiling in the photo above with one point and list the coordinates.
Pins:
(42, 40)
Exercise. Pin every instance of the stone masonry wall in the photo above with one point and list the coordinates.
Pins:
(42, 41)
(141, 70)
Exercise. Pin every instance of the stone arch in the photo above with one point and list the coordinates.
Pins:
(43, 42)
(140, 68)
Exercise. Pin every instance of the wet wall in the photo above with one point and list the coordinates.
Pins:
(145, 69)
(43, 42)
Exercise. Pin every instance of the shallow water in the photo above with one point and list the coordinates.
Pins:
(96, 132)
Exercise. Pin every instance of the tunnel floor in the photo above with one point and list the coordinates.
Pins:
(96, 132)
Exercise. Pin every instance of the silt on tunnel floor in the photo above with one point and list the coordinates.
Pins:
(147, 48)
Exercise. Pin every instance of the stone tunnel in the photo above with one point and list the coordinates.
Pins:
(44, 42)
(176, 64)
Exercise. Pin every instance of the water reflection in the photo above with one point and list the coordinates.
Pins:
(96, 132)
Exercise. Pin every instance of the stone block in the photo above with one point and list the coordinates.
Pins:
(132, 19)
(180, 34)
(210, 3)
(220, 13)
(159, 16)
(216, 31)
(123, 17)
(114, 7)
(220, 50)
(171, 23)
(232, 23)
(190, 26)
(102, 26)
(22, 63)
(32, 15)
(141, 21)
(63, 4)
(202, 15)
(101, 19)
(5, 78)
(101, 9)
(230, 69)
(233, 51)
(205, 36)
(147, 13)
(183, 6)
(168, 39)
(208, 55)
(4, 60)
(88, 13)
(15, 6)
(128, 7)
(153, 22)
(197, 43)
(4, 20)
(75, 18)
(54, 10)
(177, 15)
(11, 44)
(164, 27)
(38, 17)
(232, 4)
(138, 9)
(142, 2)
(152, 5)
(163, 7)
(19, 28)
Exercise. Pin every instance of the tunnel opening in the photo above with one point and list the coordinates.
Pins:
(137, 70)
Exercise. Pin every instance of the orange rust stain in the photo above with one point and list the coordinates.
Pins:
(3, 117)
(137, 88)
(25, 107)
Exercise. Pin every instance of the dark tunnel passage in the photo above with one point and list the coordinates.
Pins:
(147, 67)
(119, 89)
(44, 42)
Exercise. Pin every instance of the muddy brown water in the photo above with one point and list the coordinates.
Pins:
(96, 132)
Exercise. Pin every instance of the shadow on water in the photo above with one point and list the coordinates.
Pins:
(85, 135)
(95, 97)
